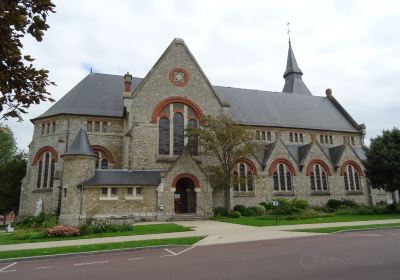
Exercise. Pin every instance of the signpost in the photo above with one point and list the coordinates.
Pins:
(275, 203)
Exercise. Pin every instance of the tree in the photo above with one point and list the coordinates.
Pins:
(225, 142)
(21, 84)
(12, 171)
(383, 161)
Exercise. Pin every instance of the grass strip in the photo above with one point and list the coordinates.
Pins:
(270, 220)
(348, 228)
(137, 230)
(99, 247)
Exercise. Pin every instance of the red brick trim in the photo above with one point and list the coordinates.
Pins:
(320, 162)
(275, 163)
(175, 83)
(175, 99)
(43, 150)
(354, 164)
(105, 151)
(196, 182)
(248, 162)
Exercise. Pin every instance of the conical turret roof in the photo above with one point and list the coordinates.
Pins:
(81, 145)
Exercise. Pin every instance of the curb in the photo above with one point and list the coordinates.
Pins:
(91, 253)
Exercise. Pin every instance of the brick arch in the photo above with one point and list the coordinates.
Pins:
(248, 162)
(320, 162)
(275, 163)
(43, 150)
(186, 175)
(105, 151)
(175, 99)
(354, 164)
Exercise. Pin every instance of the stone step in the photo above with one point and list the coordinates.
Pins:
(185, 217)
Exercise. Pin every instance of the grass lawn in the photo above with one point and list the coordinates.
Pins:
(270, 220)
(346, 228)
(99, 247)
(138, 230)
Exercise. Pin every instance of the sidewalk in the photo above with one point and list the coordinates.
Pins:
(216, 232)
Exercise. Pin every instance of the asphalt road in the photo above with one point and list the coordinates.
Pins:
(371, 254)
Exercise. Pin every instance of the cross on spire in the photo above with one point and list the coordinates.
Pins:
(288, 29)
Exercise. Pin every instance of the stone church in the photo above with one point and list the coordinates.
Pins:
(114, 146)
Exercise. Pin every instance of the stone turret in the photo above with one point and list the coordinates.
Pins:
(79, 165)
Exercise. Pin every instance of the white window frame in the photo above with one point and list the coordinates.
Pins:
(109, 196)
(134, 195)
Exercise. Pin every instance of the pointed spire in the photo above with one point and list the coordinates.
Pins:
(81, 145)
(292, 75)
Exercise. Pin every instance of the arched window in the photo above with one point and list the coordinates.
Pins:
(46, 170)
(318, 177)
(172, 117)
(243, 177)
(178, 133)
(104, 157)
(193, 141)
(163, 139)
(351, 177)
(282, 178)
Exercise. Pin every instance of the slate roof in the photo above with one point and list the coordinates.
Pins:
(104, 177)
(81, 145)
(101, 95)
(293, 80)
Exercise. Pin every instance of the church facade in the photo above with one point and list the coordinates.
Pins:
(114, 146)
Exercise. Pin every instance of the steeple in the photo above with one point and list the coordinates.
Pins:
(293, 81)
(81, 145)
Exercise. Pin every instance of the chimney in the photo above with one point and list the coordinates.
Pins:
(128, 82)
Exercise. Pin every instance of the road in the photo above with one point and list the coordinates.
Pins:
(371, 254)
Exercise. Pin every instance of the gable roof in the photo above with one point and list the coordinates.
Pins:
(101, 95)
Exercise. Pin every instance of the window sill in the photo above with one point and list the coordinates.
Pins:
(165, 158)
(133, 198)
(44, 190)
(244, 194)
(288, 193)
(108, 198)
(354, 193)
(320, 193)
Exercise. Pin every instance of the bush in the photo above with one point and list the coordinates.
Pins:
(220, 212)
(61, 230)
(391, 207)
(251, 211)
(333, 203)
(24, 235)
(240, 208)
(101, 225)
(267, 205)
(235, 214)
(299, 204)
(349, 203)
(40, 221)
(260, 210)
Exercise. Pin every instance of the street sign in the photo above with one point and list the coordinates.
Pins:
(275, 203)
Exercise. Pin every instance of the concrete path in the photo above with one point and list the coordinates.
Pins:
(216, 232)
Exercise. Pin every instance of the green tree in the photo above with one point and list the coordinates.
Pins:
(21, 84)
(383, 161)
(225, 143)
(12, 171)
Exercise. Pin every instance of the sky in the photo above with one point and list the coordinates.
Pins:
(352, 47)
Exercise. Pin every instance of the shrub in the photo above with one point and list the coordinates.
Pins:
(235, 214)
(251, 211)
(102, 225)
(220, 211)
(24, 235)
(62, 230)
(333, 203)
(240, 208)
(40, 221)
(391, 207)
(267, 205)
(260, 210)
(299, 204)
(349, 203)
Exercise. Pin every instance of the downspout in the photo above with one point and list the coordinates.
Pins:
(81, 203)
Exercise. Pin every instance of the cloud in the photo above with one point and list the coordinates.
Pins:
(351, 47)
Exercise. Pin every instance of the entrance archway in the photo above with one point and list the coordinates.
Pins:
(185, 196)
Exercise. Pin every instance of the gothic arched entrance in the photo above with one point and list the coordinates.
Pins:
(185, 196)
